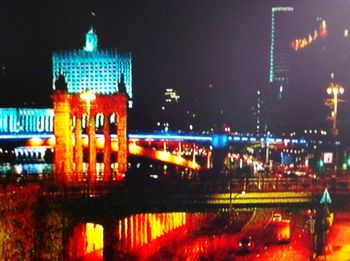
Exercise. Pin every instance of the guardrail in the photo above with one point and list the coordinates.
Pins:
(337, 186)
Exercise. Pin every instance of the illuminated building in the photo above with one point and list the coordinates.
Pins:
(280, 47)
(109, 110)
(169, 110)
(257, 113)
(171, 96)
(99, 71)
(301, 43)
(26, 121)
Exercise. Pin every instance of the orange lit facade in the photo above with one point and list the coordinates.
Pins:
(71, 114)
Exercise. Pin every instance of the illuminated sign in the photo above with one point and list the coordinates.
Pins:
(328, 157)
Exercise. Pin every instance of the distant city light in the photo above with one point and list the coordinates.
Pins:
(301, 43)
(171, 96)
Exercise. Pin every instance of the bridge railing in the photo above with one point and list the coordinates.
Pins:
(48, 186)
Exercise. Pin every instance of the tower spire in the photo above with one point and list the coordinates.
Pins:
(91, 40)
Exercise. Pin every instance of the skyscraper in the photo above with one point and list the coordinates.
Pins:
(170, 111)
(280, 47)
(92, 69)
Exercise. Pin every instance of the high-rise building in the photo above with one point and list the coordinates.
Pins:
(170, 111)
(280, 47)
(99, 71)
(171, 96)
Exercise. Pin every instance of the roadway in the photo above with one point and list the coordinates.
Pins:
(224, 246)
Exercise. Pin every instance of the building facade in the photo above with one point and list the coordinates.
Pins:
(25, 122)
(92, 69)
(280, 47)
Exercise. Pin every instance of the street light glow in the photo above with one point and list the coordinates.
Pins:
(335, 89)
(88, 96)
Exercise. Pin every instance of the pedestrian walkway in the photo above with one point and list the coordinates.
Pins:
(338, 239)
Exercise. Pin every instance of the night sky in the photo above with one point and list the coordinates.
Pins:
(184, 45)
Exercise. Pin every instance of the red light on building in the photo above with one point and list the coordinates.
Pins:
(68, 157)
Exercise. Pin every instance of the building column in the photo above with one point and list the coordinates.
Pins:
(78, 148)
(92, 148)
(107, 150)
(63, 156)
(122, 142)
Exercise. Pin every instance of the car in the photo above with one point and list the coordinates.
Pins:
(277, 217)
(246, 244)
(311, 213)
(282, 231)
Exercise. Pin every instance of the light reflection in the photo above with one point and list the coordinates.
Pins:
(138, 230)
(87, 240)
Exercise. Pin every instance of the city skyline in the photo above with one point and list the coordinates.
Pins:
(174, 130)
(189, 47)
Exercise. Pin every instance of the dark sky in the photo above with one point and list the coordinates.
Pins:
(185, 45)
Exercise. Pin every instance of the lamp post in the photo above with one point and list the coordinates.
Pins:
(88, 97)
(335, 90)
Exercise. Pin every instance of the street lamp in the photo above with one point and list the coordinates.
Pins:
(335, 89)
(88, 96)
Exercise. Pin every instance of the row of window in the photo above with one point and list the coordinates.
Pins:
(25, 123)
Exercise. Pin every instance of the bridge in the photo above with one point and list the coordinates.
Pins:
(31, 132)
(32, 124)
(180, 149)
(167, 194)
(34, 127)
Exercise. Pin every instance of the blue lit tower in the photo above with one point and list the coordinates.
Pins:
(280, 47)
(99, 71)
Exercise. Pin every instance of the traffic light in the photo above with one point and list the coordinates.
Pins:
(320, 163)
